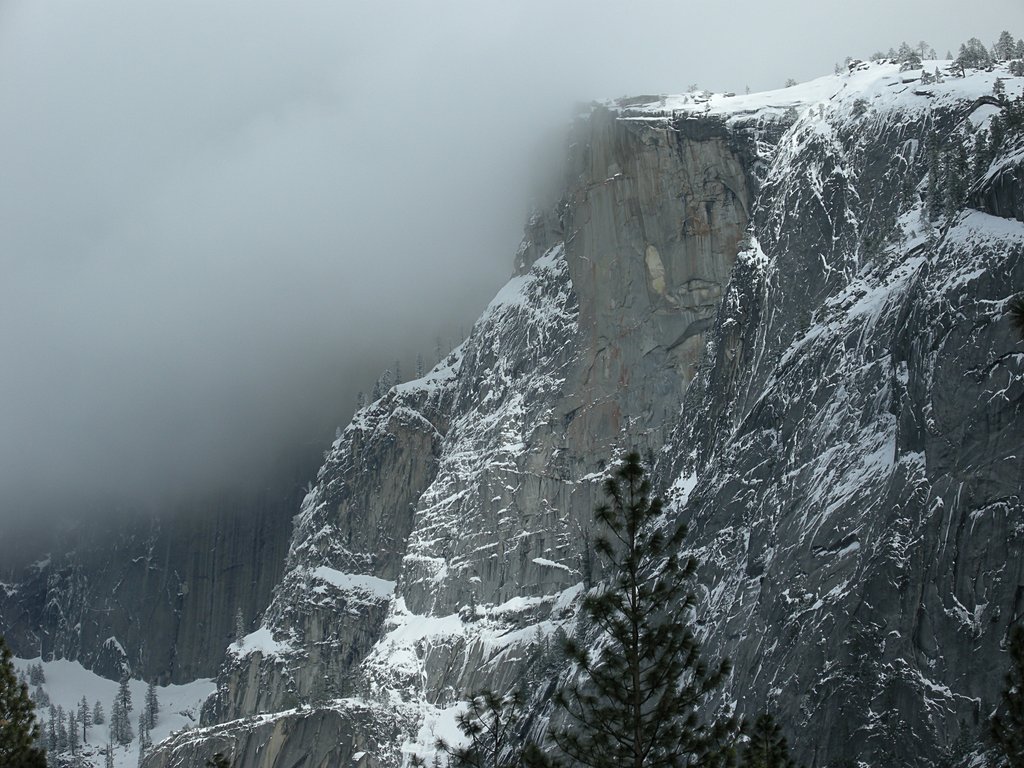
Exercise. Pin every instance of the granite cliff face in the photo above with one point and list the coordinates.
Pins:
(745, 289)
(856, 484)
(464, 487)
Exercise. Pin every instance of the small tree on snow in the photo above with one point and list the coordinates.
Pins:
(152, 706)
(72, 733)
(40, 697)
(240, 632)
(120, 714)
(1005, 46)
(62, 731)
(98, 718)
(973, 55)
(145, 741)
(84, 718)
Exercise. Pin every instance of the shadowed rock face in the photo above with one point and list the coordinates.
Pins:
(834, 397)
(856, 492)
(1001, 192)
(155, 596)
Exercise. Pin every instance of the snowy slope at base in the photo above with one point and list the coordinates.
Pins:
(67, 681)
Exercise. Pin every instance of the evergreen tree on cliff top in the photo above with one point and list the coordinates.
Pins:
(19, 731)
(637, 702)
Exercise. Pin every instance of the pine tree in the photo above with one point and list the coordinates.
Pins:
(19, 731)
(419, 366)
(62, 731)
(108, 761)
(145, 742)
(72, 733)
(767, 746)
(980, 156)
(1007, 725)
(908, 57)
(240, 632)
(36, 675)
(152, 706)
(491, 724)
(934, 197)
(956, 175)
(117, 722)
(40, 697)
(124, 693)
(973, 55)
(98, 718)
(1005, 46)
(51, 730)
(636, 703)
(120, 714)
(84, 718)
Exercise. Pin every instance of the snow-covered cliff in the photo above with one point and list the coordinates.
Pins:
(746, 289)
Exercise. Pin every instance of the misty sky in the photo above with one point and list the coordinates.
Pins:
(219, 219)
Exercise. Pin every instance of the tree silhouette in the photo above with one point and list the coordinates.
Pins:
(491, 724)
(636, 700)
(767, 747)
(19, 731)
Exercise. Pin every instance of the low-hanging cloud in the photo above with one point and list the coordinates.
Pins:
(218, 219)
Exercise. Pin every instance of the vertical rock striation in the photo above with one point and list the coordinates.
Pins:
(155, 596)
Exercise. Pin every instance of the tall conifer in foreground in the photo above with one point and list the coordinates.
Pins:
(638, 698)
(19, 731)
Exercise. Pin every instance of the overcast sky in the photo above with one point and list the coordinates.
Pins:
(217, 218)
